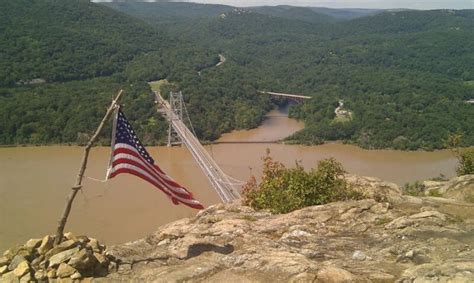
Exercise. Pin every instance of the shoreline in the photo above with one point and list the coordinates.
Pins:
(216, 142)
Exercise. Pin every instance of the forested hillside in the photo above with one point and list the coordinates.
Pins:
(404, 76)
(68, 40)
(61, 62)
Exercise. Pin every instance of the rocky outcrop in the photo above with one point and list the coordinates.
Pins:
(389, 237)
(460, 188)
(38, 260)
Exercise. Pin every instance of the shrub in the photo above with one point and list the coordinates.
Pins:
(465, 156)
(414, 189)
(466, 162)
(282, 190)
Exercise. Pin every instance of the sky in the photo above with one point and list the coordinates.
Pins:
(377, 4)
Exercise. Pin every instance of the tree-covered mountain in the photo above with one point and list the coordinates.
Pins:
(403, 75)
(294, 13)
(68, 40)
(169, 12)
(61, 61)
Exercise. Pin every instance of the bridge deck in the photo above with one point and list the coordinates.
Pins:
(218, 179)
(285, 94)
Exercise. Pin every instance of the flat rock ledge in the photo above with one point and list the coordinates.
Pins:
(389, 237)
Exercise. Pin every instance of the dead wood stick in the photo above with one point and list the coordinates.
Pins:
(78, 185)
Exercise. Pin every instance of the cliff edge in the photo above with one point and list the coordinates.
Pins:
(388, 237)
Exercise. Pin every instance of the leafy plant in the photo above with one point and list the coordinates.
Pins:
(282, 189)
(465, 156)
(414, 189)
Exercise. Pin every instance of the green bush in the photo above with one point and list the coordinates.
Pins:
(286, 189)
(414, 189)
(465, 156)
(466, 162)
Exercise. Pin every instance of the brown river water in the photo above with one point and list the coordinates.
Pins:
(34, 181)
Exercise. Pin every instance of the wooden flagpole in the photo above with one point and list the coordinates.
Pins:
(78, 185)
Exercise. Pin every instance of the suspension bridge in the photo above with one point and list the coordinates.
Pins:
(295, 97)
(178, 133)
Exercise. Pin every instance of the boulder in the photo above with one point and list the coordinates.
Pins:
(33, 244)
(51, 273)
(37, 261)
(62, 257)
(65, 270)
(46, 245)
(70, 236)
(358, 255)
(9, 277)
(26, 278)
(76, 276)
(3, 269)
(94, 245)
(84, 261)
(12, 252)
(16, 261)
(40, 275)
(21, 269)
(461, 188)
(334, 274)
(66, 245)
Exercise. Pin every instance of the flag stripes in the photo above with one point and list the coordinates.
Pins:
(130, 156)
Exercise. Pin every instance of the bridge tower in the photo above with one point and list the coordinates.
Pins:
(175, 113)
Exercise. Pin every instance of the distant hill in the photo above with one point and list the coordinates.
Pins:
(346, 14)
(163, 12)
(167, 11)
(294, 13)
(68, 40)
(404, 75)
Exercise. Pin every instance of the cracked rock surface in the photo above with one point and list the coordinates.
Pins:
(386, 238)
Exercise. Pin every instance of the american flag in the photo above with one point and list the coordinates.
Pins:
(130, 156)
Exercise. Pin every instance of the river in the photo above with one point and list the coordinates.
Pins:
(34, 181)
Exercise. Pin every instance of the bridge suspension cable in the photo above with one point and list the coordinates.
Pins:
(179, 133)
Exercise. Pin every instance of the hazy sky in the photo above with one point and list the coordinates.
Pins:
(413, 4)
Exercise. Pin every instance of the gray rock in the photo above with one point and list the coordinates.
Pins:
(334, 274)
(26, 278)
(33, 243)
(51, 273)
(9, 277)
(410, 254)
(66, 245)
(3, 269)
(76, 276)
(37, 261)
(12, 252)
(70, 236)
(94, 244)
(359, 255)
(16, 261)
(84, 262)
(65, 270)
(21, 269)
(62, 257)
(40, 275)
(46, 245)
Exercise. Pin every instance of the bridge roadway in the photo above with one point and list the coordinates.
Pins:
(218, 179)
(294, 96)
